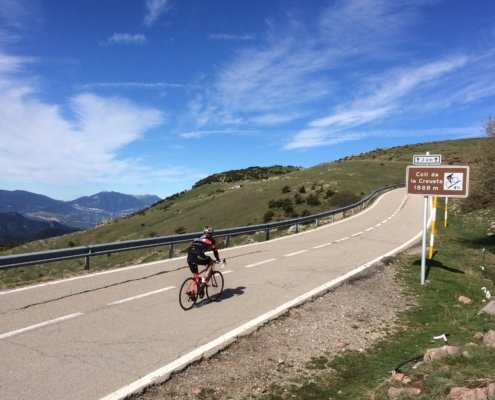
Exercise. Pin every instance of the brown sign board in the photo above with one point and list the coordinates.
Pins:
(440, 180)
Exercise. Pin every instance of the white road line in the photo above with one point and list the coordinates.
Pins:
(140, 296)
(41, 325)
(92, 275)
(370, 229)
(357, 234)
(341, 240)
(260, 263)
(295, 253)
(322, 245)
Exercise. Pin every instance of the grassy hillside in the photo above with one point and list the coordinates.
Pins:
(230, 204)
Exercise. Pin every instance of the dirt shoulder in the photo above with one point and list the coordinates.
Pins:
(352, 316)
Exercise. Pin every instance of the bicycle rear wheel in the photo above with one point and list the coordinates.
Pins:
(215, 286)
(187, 300)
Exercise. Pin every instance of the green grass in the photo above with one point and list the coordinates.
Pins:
(454, 271)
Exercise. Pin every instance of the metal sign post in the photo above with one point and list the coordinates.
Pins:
(423, 247)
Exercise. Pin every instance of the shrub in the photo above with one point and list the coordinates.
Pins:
(313, 200)
(329, 193)
(268, 216)
(344, 198)
(288, 209)
(298, 199)
(180, 230)
(286, 189)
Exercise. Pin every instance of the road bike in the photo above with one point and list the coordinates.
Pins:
(194, 288)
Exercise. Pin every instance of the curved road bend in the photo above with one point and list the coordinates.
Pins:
(107, 334)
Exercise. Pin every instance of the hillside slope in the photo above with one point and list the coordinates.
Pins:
(15, 228)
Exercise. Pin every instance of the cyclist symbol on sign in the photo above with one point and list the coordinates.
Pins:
(452, 181)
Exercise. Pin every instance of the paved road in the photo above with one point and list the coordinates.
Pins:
(108, 334)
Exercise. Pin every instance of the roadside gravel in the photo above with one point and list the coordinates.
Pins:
(353, 316)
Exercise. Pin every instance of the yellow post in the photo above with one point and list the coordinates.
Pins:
(445, 223)
(433, 218)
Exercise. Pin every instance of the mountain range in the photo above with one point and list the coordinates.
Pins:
(19, 209)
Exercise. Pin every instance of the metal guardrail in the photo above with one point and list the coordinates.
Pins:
(19, 260)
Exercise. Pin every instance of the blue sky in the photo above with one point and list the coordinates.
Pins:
(149, 96)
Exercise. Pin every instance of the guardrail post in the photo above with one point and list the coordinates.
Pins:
(317, 220)
(171, 250)
(267, 236)
(86, 261)
(297, 228)
(227, 241)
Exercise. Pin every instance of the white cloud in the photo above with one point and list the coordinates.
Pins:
(20, 14)
(38, 143)
(133, 85)
(125, 38)
(154, 9)
(317, 137)
(299, 65)
(385, 99)
(231, 36)
(261, 84)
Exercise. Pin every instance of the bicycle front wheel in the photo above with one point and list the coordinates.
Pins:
(188, 294)
(215, 286)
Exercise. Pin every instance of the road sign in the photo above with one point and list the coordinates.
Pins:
(427, 159)
(442, 180)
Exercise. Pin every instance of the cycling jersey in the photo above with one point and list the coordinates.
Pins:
(196, 254)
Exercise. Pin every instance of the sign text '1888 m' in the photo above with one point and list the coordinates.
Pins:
(447, 181)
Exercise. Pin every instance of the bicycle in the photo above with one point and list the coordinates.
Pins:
(195, 288)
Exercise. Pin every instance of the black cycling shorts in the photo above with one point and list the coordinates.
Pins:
(193, 260)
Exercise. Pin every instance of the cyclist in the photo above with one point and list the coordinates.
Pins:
(196, 252)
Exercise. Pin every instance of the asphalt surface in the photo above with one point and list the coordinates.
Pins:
(109, 334)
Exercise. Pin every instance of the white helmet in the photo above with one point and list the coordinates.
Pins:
(208, 230)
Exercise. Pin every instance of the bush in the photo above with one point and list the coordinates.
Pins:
(313, 200)
(329, 193)
(298, 199)
(268, 216)
(180, 230)
(305, 213)
(281, 203)
(286, 189)
(289, 209)
(344, 198)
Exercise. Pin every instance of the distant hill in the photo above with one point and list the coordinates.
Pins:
(22, 202)
(15, 228)
(82, 213)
